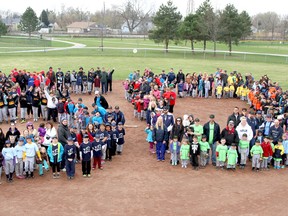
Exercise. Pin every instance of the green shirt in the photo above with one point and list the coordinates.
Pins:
(184, 152)
(222, 151)
(204, 146)
(244, 144)
(256, 150)
(232, 156)
(211, 133)
(175, 144)
(198, 130)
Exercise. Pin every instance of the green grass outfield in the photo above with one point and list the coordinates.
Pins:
(125, 61)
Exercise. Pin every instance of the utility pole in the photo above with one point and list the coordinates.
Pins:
(103, 24)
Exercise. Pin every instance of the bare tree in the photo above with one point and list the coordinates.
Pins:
(284, 27)
(133, 13)
(267, 22)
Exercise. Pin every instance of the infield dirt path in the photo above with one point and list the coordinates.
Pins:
(136, 184)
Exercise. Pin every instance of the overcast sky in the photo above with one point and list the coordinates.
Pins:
(251, 6)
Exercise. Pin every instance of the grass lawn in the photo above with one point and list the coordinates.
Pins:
(125, 61)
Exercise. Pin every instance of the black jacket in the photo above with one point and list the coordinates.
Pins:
(160, 135)
(63, 134)
(206, 131)
(234, 119)
(230, 137)
(103, 102)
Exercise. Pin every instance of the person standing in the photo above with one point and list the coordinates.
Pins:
(104, 80)
(235, 117)
(70, 155)
(63, 134)
(160, 136)
(212, 131)
(52, 102)
(109, 80)
(100, 100)
(170, 97)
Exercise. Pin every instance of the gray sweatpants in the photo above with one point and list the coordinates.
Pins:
(104, 147)
(23, 112)
(119, 148)
(19, 167)
(220, 163)
(78, 89)
(29, 164)
(243, 155)
(264, 163)
(12, 113)
(256, 161)
(44, 112)
(60, 116)
(73, 86)
(3, 114)
(90, 86)
(203, 158)
(0, 173)
(184, 162)
(9, 166)
(35, 112)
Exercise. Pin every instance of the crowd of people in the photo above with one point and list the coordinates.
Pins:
(259, 133)
(70, 135)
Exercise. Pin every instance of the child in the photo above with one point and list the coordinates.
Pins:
(44, 161)
(70, 155)
(23, 106)
(267, 152)
(219, 89)
(42, 132)
(195, 153)
(121, 140)
(204, 151)
(1, 164)
(231, 91)
(19, 151)
(8, 154)
(232, 157)
(149, 139)
(175, 149)
(184, 153)
(31, 149)
(278, 152)
(243, 150)
(256, 153)
(109, 150)
(285, 145)
(226, 91)
(55, 152)
(97, 152)
(221, 152)
(85, 156)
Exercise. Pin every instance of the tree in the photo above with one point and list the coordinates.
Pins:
(267, 22)
(166, 21)
(133, 14)
(3, 28)
(230, 26)
(29, 21)
(284, 27)
(44, 18)
(206, 20)
(190, 29)
(246, 24)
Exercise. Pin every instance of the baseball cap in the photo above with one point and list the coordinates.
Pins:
(197, 120)
(70, 138)
(120, 123)
(7, 142)
(212, 116)
(85, 136)
(21, 139)
(113, 124)
(97, 136)
(231, 122)
(268, 116)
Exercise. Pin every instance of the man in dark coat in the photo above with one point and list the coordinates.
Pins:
(100, 101)
(63, 134)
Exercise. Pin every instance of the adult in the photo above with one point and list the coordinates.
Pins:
(276, 131)
(252, 122)
(212, 131)
(180, 76)
(100, 100)
(177, 130)
(266, 125)
(230, 134)
(118, 116)
(235, 117)
(171, 76)
(63, 134)
(51, 76)
(244, 128)
(52, 102)
(160, 136)
(50, 133)
(104, 80)
(170, 97)
(109, 80)
(99, 109)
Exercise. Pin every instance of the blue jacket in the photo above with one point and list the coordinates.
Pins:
(160, 135)
(78, 80)
(177, 149)
(285, 146)
(101, 110)
(60, 153)
(71, 108)
(119, 117)
(149, 135)
(30, 82)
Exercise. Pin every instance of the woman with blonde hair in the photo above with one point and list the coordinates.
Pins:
(159, 136)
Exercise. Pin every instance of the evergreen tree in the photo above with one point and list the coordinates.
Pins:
(29, 21)
(166, 20)
(44, 18)
(3, 28)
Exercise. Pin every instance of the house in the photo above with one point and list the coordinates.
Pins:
(143, 28)
(80, 27)
(12, 23)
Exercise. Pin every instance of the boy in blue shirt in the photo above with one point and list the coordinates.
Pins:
(70, 155)
(85, 156)
(97, 152)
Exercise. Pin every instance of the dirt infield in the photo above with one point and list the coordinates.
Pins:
(136, 184)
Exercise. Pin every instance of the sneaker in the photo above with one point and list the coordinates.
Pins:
(54, 176)
(64, 170)
(283, 167)
(93, 168)
(89, 175)
(18, 177)
(101, 168)
(57, 175)
(84, 175)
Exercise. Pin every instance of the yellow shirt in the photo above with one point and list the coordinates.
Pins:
(239, 90)
(219, 89)
(226, 89)
(232, 88)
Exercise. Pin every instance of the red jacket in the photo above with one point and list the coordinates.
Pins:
(170, 96)
(267, 149)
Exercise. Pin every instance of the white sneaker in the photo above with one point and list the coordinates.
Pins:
(64, 170)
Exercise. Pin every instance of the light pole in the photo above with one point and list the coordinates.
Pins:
(102, 32)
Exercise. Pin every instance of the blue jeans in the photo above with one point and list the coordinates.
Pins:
(103, 87)
(70, 168)
(160, 150)
(213, 153)
(46, 167)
